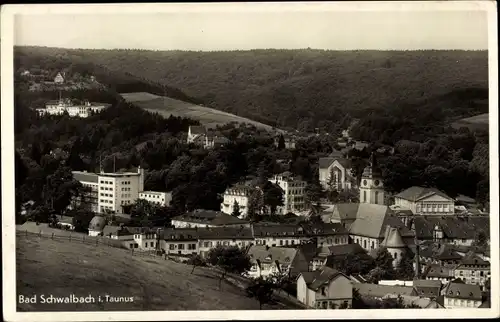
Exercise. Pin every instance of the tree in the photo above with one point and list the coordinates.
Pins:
(196, 260)
(255, 204)
(236, 209)
(273, 197)
(353, 263)
(281, 142)
(332, 180)
(375, 275)
(384, 261)
(405, 270)
(481, 239)
(262, 290)
(314, 193)
(229, 260)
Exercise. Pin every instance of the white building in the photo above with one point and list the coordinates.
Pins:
(78, 110)
(425, 201)
(197, 134)
(336, 172)
(90, 181)
(59, 79)
(236, 194)
(158, 198)
(458, 296)
(267, 261)
(293, 193)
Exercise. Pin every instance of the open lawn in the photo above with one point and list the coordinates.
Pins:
(478, 122)
(60, 268)
(166, 106)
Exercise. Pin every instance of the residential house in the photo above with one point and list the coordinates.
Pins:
(196, 134)
(428, 288)
(267, 261)
(425, 201)
(180, 242)
(473, 270)
(436, 272)
(329, 234)
(59, 79)
(442, 254)
(211, 237)
(158, 198)
(459, 295)
(146, 239)
(336, 254)
(66, 222)
(240, 194)
(96, 226)
(275, 235)
(419, 301)
(206, 218)
(325, 289)
(215, 141)
(293, 192)
(376, 291)
(335, 172)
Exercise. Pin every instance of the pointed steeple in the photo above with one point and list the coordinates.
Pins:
(372, 170)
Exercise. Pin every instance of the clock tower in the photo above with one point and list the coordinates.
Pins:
(371, 189)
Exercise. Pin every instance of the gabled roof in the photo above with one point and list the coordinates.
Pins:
(463, 291)
(453, 226)
(372, 220)
(472, 258)
(441, 252)
(315, 280)
(282, 230)
(418, 193)
(342, 250)
(392, 238)
(325, 163)
(427, 288)
(346, 211)
(422, 302)
(197, 129)
(376, 290)
(436, 270)
(225, 233)
(267, 254)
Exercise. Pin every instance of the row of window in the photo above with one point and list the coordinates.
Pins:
(433, 207)
(150, 196)
(106, 188)
(106, 201)
(126, 189)
(106, 195)
(105, 182)
(295, 192)
(460, 302)
(476, 274)
(125, 202)
(126, 195)
(181, 246)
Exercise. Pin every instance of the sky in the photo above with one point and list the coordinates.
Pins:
(242, 30)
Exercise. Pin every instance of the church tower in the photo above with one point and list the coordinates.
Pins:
(371, 189)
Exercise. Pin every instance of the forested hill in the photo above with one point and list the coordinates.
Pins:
(309, 88)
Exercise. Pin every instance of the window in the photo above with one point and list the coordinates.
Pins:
(136, 245)
(395, 255)
(191, 246)
(180, 246)
(131, 245)
(364, 196)
(171, 247)
(364, 243)
(281, 242)
(152, 244)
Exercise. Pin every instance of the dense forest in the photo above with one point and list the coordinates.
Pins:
(406, 92)
(124, 136)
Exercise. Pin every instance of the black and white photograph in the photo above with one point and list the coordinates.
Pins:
(241, 161)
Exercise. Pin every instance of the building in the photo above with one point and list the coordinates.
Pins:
(196, 134)
(293, 193)
(459, 295)
(442, 254)
(209, 238)
(473, 270)
(376, 291)
(371, 190)
(325, 289)
(207, 218)
(428, 288)
(74, 110)
(393, 242)
(59, 79)
(335, 172)
(96, 226)
(91, 182)
(418, 301)
(180, 242)
(239, 194)
(215, 141)
(425, 201)
(155, 197)
(267, 261)
(436, 272)
(329, 234)
(275, 235)
(290, 141)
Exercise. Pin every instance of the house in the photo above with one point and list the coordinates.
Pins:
(215, 141)
(180, 242)
(335, 172)
(96, 226)
(293, 192)
(336, 255)
(119, 233)
(206, 218)
(270, 260)
(196, 134)
(436, 272)
(158, 198)
(376, 291)
(66, 222)
(275, 235)
(325, 289)
(236, 194)
(211, 237)
(289, 140)
(419, 301)
(459, 295)
(473, 270)
(425, 201)
(428, 288)
(442, 254)
(393, 242)
(59, 79)
(329, 234)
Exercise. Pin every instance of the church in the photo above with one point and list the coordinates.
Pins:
(371, 223)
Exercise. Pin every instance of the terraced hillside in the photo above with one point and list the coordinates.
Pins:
(154, 284)
(166, 106)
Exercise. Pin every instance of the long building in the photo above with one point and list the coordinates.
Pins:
(74, 110)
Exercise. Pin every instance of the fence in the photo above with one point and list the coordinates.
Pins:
(75, 238)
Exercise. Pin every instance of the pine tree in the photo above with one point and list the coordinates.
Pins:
(281, 142)
(236, 209)
(405, 269)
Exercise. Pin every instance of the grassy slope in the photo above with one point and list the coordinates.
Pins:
(168, 106)
(61, 268)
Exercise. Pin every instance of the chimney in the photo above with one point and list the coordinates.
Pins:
(267, 247)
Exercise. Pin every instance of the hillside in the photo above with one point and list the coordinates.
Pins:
(82, 269)
(166, 107)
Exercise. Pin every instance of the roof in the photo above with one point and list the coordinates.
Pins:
(418, 193)
(472, 258)
(392, 238)
(427, 288)
(436, 270)
(268, 229)
(65, 220)
(465, 199)
(225, 233)
(371, 221)
(197, 129)
(85, 176)
(180, 234)
(266, 254)
(346, 210)
(97, 223)
(325, 163)
(342, 250)
(210, 217)
(463, 291)
(441, 252)
(422, 302)
(376, 290)
(321, 277)
(325, 229)
(453, 226)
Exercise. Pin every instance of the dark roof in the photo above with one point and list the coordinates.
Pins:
(321, 277)
(463, 291)
(427, 288)
(342, 250)
(376, 290)
(180, 234)
(472, 258)
(266, 254)
(392, 238)
(85, 176)
(198, 129)
(418, 193)
(210, 217)
(441, 252)
(225, 233)
(325, 229)
(270, 229)
(453, 226)
(436, 270)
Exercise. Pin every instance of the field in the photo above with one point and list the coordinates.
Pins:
(166, 106)
(59, 268)
(475, 122)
